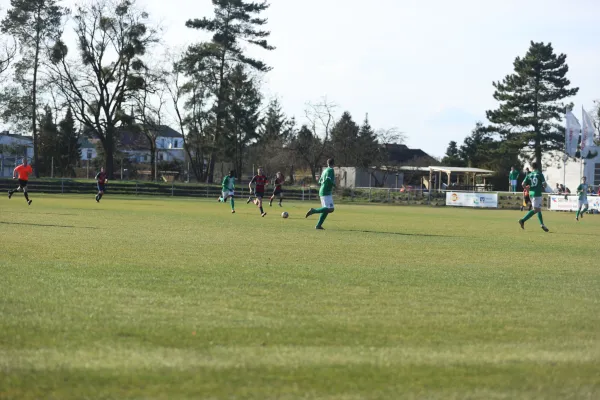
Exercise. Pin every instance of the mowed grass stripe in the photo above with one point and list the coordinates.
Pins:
(178, 298)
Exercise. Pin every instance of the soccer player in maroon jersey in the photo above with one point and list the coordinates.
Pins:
(260, 181)
(102, 179)
(277, 191)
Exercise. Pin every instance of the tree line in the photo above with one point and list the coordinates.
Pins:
(111, 78)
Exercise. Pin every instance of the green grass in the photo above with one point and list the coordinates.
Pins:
(139, 298)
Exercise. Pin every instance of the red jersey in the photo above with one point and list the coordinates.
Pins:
(278, 183)
(526, 191)
(23, 172)
(260, 181)
(101, 177)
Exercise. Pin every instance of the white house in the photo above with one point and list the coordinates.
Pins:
(88, 149)
(571, 173)
(12, 149)
(169, 144)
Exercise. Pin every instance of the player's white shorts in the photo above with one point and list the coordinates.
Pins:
(583, 203)
(513, 183)
(327, 201)
(536, 202)
(227, 194)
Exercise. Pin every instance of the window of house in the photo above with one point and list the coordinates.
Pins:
(162, 143)
(175, 143)
(160, 157)
(89, 154)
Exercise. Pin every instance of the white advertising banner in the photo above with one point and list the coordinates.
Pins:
(459, 199)
(570, 203)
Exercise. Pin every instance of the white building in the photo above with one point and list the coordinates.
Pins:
(555, 172)
(12, 149)
(169, 144)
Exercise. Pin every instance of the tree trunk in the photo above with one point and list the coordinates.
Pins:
(34, 100)
(152, 159)
(109, 150)
(210, 171)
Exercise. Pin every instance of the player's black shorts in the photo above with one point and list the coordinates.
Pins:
(259, 195)
(527, 199)
(101, 188)
(277, 192)
(22, 183)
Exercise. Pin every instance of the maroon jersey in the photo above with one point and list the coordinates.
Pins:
(101, 177)
(278, 183)
(260, 181)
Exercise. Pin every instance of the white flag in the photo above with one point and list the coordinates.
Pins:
(571, 134)
(587, 133)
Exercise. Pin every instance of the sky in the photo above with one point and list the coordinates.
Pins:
(423, 67)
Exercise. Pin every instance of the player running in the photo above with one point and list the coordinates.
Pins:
(259, 181)
(22, 172)
(101, 178)
(536, 183)
(583, 201)
(327, 181)
(277, 191)
(227, 189)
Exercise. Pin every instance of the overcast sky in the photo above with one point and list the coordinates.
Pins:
(425, 67)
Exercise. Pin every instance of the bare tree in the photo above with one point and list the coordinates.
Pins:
(112, 36)
(8, 51)
(313, 139)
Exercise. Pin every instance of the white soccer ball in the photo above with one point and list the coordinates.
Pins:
(284, 214)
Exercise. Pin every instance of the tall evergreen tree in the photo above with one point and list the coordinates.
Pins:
(234, 21)
(275, 125)
(309, 149)
(242, 104)
(452, 157)
(69, 148)
(531, 104)
(48, 143)
(368, 145)
(34, 24)
(344, 140)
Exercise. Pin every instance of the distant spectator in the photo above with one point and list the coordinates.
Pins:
(559, 188)
(513, 177)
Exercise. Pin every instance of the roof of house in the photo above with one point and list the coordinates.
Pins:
(132, 137)
(461, 170)
(85, 143)
(16, 136)
(400, 153)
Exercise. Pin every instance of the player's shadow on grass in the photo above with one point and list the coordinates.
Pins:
(48, 225)
(398, 233)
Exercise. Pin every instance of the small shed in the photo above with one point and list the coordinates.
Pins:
(465, 178)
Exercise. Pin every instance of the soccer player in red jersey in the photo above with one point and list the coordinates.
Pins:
(277, 191)
(22, 172)
(526, 199)
(260, 181)
(102, 179)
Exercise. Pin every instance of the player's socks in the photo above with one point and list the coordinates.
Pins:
(540, 218)
(249, 200)
(577, 214)
(10, 193)
(100, 196)
(322, 210)
(322, 219)
(232, 202)
(530, 214)
(26, 196)
(280, 205)
(261, 210)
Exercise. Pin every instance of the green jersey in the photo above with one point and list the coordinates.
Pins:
(327, 181)
(582, 191)
(228, 184)
(536, 182)
(513, 175)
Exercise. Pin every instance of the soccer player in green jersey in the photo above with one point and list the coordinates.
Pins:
(227, 188)
(513, 176)
(583, 201)
(537, 183)
(327, 181)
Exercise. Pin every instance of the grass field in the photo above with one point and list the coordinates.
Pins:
(179, 299)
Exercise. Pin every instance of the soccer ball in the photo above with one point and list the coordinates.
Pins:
(284, 214)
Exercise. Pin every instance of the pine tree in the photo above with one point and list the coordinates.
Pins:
(452, 157)
(69, 148)
(242, 103)
(34, 24)
(48, 143)
(368, 145)
(531, 101)
(234, 21)
(275, 126)
(344, 140)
